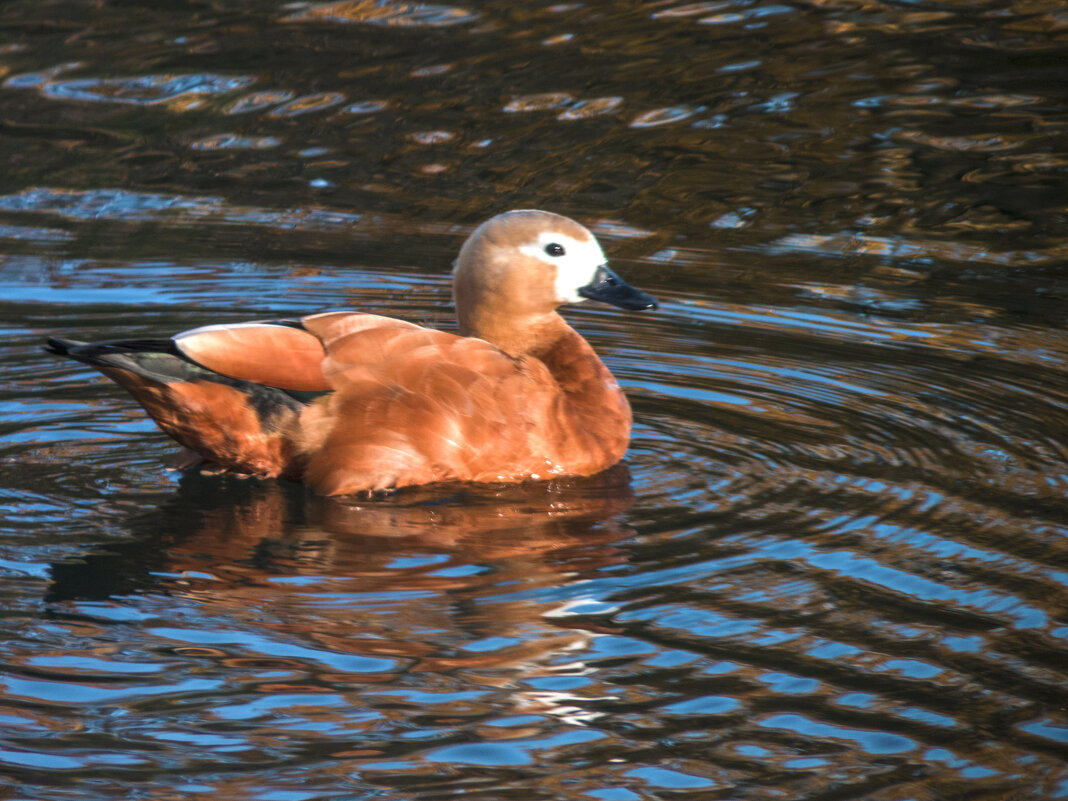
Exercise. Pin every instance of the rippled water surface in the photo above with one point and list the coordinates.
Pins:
(835, 563)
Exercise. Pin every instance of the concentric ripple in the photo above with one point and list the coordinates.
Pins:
(833, 565)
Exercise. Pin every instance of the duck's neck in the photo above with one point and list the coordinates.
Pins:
(595, 411)
(546, 337)
(527, 335)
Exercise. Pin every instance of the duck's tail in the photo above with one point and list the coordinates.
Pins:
(61, 347)
(237, 425)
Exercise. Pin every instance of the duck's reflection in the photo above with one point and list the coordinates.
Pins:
(428, 580)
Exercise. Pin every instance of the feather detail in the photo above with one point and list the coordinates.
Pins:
(273, 354)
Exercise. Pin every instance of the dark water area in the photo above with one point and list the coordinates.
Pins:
(835, 562)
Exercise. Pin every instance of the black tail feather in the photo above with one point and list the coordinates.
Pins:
(85, 350)
(62, 347)
(153, 359)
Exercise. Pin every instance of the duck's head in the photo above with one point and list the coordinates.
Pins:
(517, 268)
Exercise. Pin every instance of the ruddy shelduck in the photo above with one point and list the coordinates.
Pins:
(349, 402)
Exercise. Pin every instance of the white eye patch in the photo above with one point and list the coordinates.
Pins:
(575, 266)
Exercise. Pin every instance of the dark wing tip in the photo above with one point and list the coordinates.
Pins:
(60, 347)
(93, 352)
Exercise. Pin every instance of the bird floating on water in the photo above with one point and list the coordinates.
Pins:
(349, 402)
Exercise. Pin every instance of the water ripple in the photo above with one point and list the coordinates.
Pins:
(231, 141)
(834, 562)
(692, 9)
(905, 249)
(308, 104)
(663, 116)
(366, 106)
(257, 101)
(540, 102)
(32, 234)
(381, 12)
(584, 109)
(177, 90)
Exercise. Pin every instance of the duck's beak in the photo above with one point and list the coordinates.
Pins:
(608, 287)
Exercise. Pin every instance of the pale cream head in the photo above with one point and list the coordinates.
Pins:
(525, 261)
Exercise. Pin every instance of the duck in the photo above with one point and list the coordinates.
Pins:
(354, 403)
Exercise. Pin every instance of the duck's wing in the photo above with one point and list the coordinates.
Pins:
(231, 394)
(366, 354)
(286, 354)
(413, 405)
(276, 353)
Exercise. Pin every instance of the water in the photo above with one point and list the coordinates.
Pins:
(834, 565)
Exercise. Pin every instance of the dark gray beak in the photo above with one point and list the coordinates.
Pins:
(608, 287)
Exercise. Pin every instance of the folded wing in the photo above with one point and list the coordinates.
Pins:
(413, 405)
(276, 354)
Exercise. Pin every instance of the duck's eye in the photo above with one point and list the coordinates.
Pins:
(554, 249)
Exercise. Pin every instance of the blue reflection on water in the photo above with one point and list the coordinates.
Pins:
(1047, 730)
(704, 705)
(559, 683)
(861, 700)
(613, 646)
(912, 668)
(266, 705)
(145, 89)
(511, 752)
(850, 564)
(871, 741)
(415, 696)
(832, 650)
(70, 692)
(785, 683)
(614, 794)
(482, 754)
(260, 644)
(404, 562)
(703, 395)
(491, 644)
(39, 759)
(669, 779)
(89, 663)
(926, 716)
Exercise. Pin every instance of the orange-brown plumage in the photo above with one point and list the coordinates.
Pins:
(217, 422)
(274, 355)
(518, 395)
